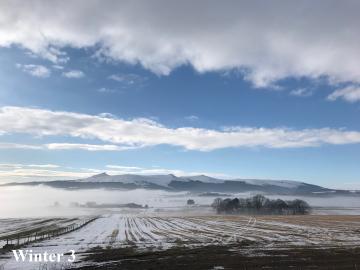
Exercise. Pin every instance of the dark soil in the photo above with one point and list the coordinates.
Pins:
(224, 257)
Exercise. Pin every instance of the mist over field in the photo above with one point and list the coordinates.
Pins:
(39, 201)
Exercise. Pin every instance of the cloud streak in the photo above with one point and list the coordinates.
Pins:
(73, 74)
(301, 92)
(35, 70)
(29, 172)
(349, 94)
(18, 166)
(65, 146)
(87, 147)
(39, 174)
(267, 41)
(141, 132)
(129, 80)
(4, 145)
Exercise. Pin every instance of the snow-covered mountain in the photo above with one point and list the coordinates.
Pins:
(200, 183)
(141, 180)
(197, 184)
(165, 180)
(202, 178)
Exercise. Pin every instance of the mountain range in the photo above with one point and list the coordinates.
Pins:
(195, 184)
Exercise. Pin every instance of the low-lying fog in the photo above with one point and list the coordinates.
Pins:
(24, 201)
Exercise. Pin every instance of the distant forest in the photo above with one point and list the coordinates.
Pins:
(259, 204)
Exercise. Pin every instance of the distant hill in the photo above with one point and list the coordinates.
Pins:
(195, 184)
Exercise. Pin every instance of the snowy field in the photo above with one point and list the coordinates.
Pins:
(12, 228)
(162, 232)
(167, 223)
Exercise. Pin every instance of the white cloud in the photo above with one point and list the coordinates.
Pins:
(268, 41)
(18, 146)
(301, 92)
(129, 80)
(74, 74)
(192, 118)
(50, 53)
(35, 70)
(18, 166)
(19, 172)
(127, 168)
(43, 165)
(58, 67)
(350, 94)
(106, 90)
(88, 147)
(142, 132)
(31, 174)
(66, 146)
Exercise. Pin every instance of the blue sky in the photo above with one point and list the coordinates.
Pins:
(72, 106)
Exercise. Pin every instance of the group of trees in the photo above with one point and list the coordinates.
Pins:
(259, 204)
(190, 202)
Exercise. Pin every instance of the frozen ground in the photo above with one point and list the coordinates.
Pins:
(168, 223)
(21, 228)
(162, 232)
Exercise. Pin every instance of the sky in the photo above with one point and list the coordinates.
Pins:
(231, 89)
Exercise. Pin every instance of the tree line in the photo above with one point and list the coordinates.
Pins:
(259, 204)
